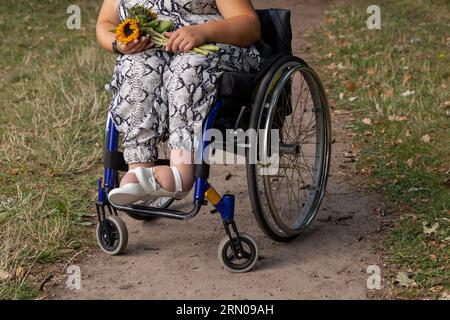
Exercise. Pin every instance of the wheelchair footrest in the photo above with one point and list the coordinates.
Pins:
(159, 212)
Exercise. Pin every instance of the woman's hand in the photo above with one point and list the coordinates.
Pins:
(185, 38)
(144, 43)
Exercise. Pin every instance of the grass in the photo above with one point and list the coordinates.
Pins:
(53, 108)
(398, 79)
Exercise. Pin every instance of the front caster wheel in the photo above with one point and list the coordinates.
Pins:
(112, 235)
(231, 262)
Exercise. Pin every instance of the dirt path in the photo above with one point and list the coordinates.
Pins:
(172, 259)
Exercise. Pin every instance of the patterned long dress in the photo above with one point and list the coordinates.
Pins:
(158, 96)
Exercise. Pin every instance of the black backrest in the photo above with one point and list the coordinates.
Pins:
(276, 30)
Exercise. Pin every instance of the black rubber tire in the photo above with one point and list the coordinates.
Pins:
(257, 108)
(121, 232)
(249, 265)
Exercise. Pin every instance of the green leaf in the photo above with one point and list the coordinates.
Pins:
(163, 26)
(151, 24)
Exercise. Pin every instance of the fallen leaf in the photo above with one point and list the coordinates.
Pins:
(389, 93)
(350, 86)
(426, 138)
(380, 212)
(331, 36)
(408, 133)
(410, 163)
(331, 66)
(406, 78)
(20, 272)
(4, 275)
(370, 71)
(408, 93)
(445, 296)
(86, 223)
(349, 154)
(378, 107)
(417, 189)
(403, 279)
(367, 121)
(433, 257)
(397, 118)
(393, 143)
(429, 230)
(391, 164)
(447, 104)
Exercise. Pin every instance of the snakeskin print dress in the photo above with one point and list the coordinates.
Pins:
(159, 96)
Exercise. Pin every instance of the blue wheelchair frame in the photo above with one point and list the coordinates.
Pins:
(203, 194)
(236, 90)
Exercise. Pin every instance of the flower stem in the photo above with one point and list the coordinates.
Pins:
(203, 52)
(160, 40)
(209, 47)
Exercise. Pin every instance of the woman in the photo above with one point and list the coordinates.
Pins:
(161, 94)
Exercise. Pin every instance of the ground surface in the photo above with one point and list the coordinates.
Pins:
(171, 259)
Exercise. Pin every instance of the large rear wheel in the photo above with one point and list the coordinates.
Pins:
(286, 192)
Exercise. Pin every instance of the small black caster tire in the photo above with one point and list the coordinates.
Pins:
(113, 238)
(236, 265)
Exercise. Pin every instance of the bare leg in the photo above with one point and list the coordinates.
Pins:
(184, 161)
(181, 159)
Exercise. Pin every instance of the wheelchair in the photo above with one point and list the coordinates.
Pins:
(286, 95)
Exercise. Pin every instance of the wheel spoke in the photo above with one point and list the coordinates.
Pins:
(288, 199)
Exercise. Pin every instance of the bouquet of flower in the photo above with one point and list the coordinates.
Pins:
(142, 22)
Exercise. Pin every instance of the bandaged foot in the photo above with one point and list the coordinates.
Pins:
(150, 185)
(129, 193)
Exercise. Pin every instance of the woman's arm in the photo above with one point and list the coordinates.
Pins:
(108, 20)
(240, 27)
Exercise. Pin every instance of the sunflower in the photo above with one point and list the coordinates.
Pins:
(128, 31)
